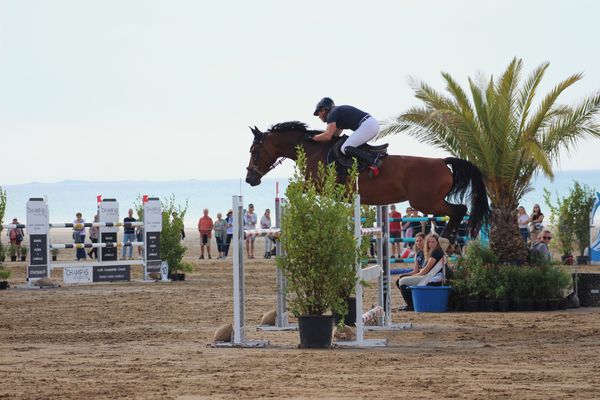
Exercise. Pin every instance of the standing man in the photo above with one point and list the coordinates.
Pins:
(79, 235)
(265, 223)
(395, 231)
(249, 224)
(128, 234)
(205, 226)
(338, 118)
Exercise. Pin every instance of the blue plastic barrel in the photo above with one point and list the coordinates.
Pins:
(430, 298)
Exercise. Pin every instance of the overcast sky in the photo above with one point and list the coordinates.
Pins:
(165, 90)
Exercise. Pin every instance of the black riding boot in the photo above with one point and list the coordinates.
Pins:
(407, 296)
(367, 157)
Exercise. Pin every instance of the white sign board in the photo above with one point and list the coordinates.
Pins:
(152, 216)
(78, 274)
(37, 217)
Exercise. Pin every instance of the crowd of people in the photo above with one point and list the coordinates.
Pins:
(530, 226)
(223, 232)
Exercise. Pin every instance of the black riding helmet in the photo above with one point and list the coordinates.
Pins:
(325, 102)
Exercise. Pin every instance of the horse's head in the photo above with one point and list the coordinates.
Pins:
(267, 147)
(262, 157)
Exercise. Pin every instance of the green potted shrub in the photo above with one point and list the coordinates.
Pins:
(581, 204)
(24, 251)
(319, 251)
(4, 275)
(2, 252)
(54, 253)
(562, 219)
(12, 252)
(171, 249)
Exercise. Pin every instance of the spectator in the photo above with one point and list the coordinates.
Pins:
(395, 231)
(540, 248)
(205, 227)
(139, 235)
(128, 234)
(250, 220)
(16, 235)
(174, 215)
(419, 257)
(265, 223)
(79, 235)
(523, 221)
(433, 255)
(416, 226)
(406, 227)
(229, 219)
(535, 222)
(94, 235)
(220, 228)
(439, 225)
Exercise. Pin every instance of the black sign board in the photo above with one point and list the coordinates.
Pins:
(153, 246)
(112, 273)
(37, 271)
(39, 249)
(109, 253)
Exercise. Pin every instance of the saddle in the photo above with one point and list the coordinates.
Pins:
(343, 163)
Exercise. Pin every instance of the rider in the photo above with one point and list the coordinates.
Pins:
(338, 118)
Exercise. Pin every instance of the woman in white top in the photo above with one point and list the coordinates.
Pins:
(523, 221)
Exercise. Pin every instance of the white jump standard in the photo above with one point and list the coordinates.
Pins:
(107, 267)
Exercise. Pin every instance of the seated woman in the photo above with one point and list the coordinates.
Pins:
(431, 255)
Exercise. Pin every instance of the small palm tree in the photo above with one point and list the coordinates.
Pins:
(502, 131)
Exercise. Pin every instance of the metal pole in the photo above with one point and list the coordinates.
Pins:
(359, 288)
(238, 271)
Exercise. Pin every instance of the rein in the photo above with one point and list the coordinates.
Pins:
(254, 169)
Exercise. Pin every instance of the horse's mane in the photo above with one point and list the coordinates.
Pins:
(291, 126)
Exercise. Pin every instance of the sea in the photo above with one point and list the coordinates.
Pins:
(66, 198)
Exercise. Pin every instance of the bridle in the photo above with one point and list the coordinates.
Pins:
(258, 140)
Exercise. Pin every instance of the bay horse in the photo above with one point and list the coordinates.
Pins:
(424, 182)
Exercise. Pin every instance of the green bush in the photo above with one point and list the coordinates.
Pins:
(319, 248)
(12, 250)
(171, 249)
(4, 274)
(582, 201)
(478, 275)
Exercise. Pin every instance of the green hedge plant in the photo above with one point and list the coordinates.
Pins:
(319, 248)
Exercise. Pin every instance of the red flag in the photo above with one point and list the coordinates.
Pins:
(99, 198)
(145, 198)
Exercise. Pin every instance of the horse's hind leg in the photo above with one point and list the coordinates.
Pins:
(456, 212)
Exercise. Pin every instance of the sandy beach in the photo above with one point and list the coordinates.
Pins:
(151, 341)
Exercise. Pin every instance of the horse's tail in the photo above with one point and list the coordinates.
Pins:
(465, 175)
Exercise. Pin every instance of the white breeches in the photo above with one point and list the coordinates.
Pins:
(365, 132)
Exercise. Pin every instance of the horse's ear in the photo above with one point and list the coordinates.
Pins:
(256, 132)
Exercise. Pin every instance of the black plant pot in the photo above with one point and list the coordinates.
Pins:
(350, 318)
(528, 304)
(490, 305)
(23, 258)
(583, 260)
(53, 258)
(563, 304)
(553, 304)
(13, 258)
(473, 305)
(502, 305)
(540, 304)
(315, 331)
(177, 276)
(3, 285)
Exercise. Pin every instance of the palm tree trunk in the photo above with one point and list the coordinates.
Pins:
(505, 239)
